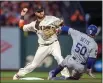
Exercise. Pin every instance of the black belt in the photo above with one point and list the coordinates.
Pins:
(48, 43)
(80, 63)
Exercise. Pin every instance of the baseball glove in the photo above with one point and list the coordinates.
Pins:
(49, 31)
(57, 23)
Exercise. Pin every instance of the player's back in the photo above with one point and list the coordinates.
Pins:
(82, 45)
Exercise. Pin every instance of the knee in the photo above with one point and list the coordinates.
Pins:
(59, 60)
(34, 65)
(77, 76)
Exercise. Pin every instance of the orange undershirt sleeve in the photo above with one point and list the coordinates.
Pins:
(21, 23)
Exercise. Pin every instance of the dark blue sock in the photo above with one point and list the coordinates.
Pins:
(57, 70)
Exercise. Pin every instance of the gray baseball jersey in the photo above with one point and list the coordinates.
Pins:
(83, 45)
(82, 48)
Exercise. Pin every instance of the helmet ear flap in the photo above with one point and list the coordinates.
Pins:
(90, 31)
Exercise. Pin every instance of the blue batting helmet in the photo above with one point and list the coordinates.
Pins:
(91, 30)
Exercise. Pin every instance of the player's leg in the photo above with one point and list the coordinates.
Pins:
(78, 70)
(58, 69)
(54, 72)
(76, 76)
(56, 52)
(70, 63)
(59, 78)
(40, 55)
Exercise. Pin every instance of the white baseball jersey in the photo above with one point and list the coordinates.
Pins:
(47, 21)
(50, 45)
(83, 45)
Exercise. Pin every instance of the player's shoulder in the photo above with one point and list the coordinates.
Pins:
(33, 22)
(51, 17)
(74, 31)
(87, 37)
(93, 42)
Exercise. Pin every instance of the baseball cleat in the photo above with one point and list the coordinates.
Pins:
(16, 77)
(51, 75)
(65, 72)
(59, 78)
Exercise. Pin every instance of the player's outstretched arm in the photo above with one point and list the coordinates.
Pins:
(89, 72)
(65, 28)
(21, 21)
(90, 63)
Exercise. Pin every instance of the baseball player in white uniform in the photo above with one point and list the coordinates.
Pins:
(45, 28)
(83, 54)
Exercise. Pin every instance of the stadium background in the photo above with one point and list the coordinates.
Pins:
(18, 47)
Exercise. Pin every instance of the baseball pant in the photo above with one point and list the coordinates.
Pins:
(42, 52)
(76, 67)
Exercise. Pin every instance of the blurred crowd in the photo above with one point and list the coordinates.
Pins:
(10, 11)
(71, 12)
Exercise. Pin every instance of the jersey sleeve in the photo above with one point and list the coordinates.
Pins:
(93, 51)
(56, 21)
(29, 27)
(73, 32)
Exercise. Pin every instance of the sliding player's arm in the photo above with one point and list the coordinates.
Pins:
(91, 60)
(74, 33)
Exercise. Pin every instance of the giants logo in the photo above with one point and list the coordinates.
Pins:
(4, 46)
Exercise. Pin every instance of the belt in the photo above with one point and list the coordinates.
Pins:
(80, 63)
(49, 43)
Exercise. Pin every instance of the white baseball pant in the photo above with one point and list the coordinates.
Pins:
(42, 52)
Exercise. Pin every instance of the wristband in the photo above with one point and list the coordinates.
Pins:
(22, 17)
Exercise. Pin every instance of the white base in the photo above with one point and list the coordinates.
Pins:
(31, 78)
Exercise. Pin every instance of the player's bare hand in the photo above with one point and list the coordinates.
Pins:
(89, 72)
(92, 75)
(24, 11)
